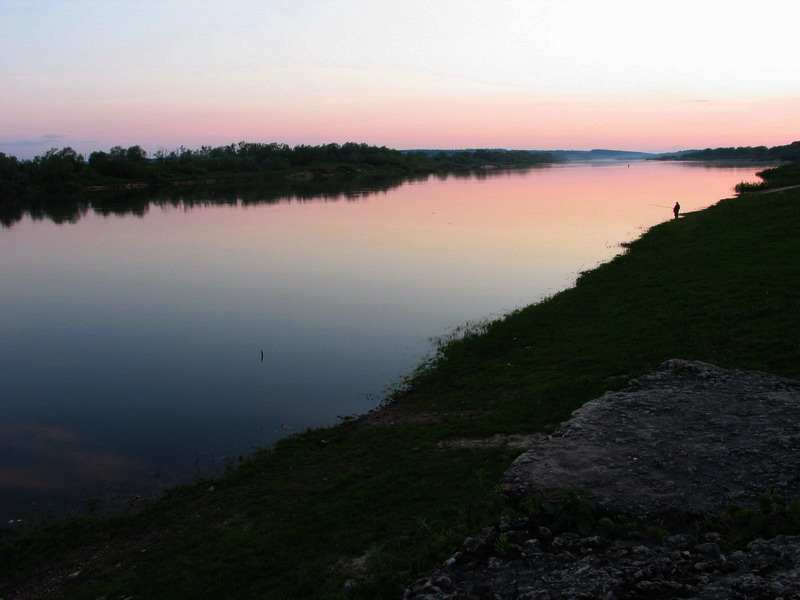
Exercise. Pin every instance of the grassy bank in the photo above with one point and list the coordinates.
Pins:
(379, 500)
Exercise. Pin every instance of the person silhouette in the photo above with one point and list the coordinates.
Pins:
(676, 209)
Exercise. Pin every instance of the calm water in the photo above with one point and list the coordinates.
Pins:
(131, 332)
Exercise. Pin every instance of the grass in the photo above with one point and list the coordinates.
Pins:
(378, 501)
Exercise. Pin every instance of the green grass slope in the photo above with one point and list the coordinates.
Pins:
(379, 500)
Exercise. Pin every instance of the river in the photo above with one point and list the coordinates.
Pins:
(149, 338)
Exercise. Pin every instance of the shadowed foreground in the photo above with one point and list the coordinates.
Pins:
(673, 448)
(363, 509)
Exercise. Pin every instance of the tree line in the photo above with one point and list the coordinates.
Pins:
(69, 170)
(788, 152)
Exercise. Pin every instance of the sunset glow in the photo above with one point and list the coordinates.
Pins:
(532, 74)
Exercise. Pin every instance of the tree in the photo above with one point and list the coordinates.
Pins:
(58, 165)
(136, 154)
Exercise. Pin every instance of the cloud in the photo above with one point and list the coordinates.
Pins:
(47, 138)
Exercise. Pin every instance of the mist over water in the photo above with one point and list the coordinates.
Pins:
(132, 329)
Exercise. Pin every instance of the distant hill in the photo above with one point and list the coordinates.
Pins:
(558, 155)
(671, 155)
(450, 151)
(599, 154)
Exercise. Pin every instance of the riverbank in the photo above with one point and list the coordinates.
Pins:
(63, 172)
(380, 499)
(65, 191)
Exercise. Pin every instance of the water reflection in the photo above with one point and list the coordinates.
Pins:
(70, 209)
(55, 459)
(729, 164)
(46, 468)
(132, 346)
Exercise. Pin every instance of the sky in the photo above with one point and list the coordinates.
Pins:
(526, 74)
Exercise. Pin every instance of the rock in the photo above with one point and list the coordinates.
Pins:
(685, 441)
(690, 438)
(625, 569)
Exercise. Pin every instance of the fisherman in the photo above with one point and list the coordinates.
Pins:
(676, 209)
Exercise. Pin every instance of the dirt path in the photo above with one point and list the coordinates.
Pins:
(780, 189)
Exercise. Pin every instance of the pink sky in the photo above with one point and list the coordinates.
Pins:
(534, 74)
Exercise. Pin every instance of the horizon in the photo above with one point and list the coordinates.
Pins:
(150, 153)
(512, 74)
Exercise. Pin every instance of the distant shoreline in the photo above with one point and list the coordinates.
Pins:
(65, 171)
